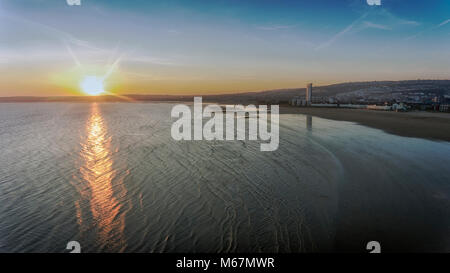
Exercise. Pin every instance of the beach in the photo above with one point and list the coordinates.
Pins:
(420, 124)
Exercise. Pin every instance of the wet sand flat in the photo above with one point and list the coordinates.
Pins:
(419, 124)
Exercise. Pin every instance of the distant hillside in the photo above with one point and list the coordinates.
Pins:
(341, 90)
(344, 90)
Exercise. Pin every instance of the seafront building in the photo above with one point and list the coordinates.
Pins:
(299, 101)
(308, 93)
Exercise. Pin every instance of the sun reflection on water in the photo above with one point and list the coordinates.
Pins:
(97, 170)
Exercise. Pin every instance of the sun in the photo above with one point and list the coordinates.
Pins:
(92, 85)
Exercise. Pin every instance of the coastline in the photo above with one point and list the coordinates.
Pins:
(419, 124)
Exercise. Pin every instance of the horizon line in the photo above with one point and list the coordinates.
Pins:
(217, 94)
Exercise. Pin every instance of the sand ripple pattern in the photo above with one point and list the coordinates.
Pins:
(111, 177)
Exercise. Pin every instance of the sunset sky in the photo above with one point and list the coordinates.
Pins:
(203, 47)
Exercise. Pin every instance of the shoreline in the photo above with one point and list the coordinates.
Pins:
(419, 124)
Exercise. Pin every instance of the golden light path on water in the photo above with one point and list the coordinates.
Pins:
(98, 173)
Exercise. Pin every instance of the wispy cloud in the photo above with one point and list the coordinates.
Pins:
(275, 27)
(72, 54)
(396, 20)
(443, 23)
(341, 33)
(69, 41)
(370, 20)
(409, 22)
(377, 26)
(152, 60)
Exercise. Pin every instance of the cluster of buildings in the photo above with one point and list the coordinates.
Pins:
(394, 101)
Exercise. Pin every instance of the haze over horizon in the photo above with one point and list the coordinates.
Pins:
(198, 47)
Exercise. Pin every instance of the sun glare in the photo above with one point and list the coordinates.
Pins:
(92, 85)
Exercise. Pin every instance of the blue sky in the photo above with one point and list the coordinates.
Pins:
(185, 47)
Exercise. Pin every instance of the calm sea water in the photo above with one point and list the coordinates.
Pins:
(110, 177)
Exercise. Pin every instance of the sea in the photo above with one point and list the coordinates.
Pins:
(110, 177)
